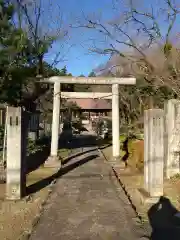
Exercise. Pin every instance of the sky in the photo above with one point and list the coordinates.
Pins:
(77, 57)
(75, 49)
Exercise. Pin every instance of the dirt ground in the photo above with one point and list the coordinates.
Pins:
(17, 218)
(133, 181)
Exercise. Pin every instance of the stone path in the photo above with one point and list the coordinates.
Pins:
(87, 203)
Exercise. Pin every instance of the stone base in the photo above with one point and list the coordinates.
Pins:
(146, 198)
(53, 162)
(15, 191)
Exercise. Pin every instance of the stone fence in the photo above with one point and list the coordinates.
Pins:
(161, 146)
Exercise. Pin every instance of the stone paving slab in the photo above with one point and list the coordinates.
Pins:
(86, 204)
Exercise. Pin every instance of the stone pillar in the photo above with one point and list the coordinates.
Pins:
(53, 159)
(146, 149)
(16, 153)
(154, 151)
(115, 122)
(172, 137)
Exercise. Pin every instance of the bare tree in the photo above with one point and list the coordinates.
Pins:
(142, 42)
(144, 36)
(44, 26)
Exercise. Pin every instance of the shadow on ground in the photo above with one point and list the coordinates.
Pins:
(84, 139)
(35, 160)
(64, 170)
(79, 126)
(163, 220)
(78, 154)
(77, 141)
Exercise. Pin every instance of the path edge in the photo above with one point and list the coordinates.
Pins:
(133, 200)
(27, 233)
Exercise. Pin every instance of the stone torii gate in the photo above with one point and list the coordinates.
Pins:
(115, 82)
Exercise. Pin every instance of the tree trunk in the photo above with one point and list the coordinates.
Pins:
(151, 102)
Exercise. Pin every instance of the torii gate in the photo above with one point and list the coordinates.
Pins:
(115, 82)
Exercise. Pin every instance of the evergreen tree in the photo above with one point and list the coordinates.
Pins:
(13, 50)
(21, 61)
(63, 71)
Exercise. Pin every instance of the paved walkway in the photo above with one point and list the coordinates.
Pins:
(87, 204)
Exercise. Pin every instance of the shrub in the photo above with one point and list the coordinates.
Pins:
(33, 147)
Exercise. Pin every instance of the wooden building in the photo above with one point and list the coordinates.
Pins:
(89, 108)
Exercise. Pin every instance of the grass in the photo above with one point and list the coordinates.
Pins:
(17, 217)
(63, 153)
(39, 174)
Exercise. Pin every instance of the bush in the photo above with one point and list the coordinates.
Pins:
(33, 147)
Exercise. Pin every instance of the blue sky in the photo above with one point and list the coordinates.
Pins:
(77, 57)
(75, 51)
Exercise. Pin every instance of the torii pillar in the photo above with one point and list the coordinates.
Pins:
(115, 123)
(53, 160)
(115, 82)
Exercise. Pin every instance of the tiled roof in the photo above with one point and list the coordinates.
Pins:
(92, 103)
